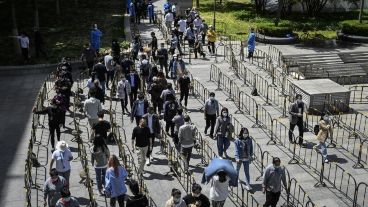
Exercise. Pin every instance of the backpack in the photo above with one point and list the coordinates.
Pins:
(316, 129)
(171, 110)
(254, 92)
(145, 69)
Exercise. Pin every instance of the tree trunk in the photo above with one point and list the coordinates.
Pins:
(36, 16)
(197, 4)
(15, 29)
(58, 7)
(361, 11)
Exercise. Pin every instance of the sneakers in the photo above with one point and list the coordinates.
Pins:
(315, 148)
(148, 162)
(326, 161)
(248, 188)
(225, 155)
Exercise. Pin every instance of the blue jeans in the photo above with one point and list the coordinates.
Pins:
(223, 144)
(103, 85)
(100, 177)
(323, 149)
(246, 170)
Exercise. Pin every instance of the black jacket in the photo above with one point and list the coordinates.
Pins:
(137, 81)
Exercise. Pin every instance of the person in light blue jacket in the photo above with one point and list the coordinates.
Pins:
(251, 43)
(114, 182)
(243, 154)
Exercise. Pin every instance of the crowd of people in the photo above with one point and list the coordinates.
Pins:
(156, 83)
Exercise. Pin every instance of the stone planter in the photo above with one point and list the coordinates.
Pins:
(276, 40)
(351, 38)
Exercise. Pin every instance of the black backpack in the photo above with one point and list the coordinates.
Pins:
(172, 108)
(316, 129)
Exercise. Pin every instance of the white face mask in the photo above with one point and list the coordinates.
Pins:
(224, 114)
(212, 98)
(177, 200)
(245, 135)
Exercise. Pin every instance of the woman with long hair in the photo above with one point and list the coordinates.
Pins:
(243, 154)
(115, 187)
(99, 156)
(223, 130)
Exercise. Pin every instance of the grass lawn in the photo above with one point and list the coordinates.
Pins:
(63, 35)
(237, 16)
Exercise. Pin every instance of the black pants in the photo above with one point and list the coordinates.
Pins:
(163, 65)
(198, 50)
(133, 96)
(191, 43)
(137, 119)
(120, 200)
(184, 95)
(169, 125)
(157, 105)
(211, 47)
(124, 104)
(300, 128)
(150, 149)
(210, 121)
(180, 37)
(25, 53)
(52, 130)
(110, 77)
(175, 138)
(250, 54)
(203, 39)
(271, 199)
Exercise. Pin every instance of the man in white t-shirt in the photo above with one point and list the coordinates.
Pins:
(24, 44)
(182, 27)
(169, 18)
(62, 156)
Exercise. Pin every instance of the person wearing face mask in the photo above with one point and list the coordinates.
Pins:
(163, 58)
(196, 198)
(55, 116)
(141, 140)
(52, 187)
(190, 35)
(211, 111)
(123, 90)
(170, 109)
(219, 189)
(243, 154)
(99, 156)
(184, 86)
(325, 131)
(272, 177)
(224, 130)
(187, 141)
(135, 85)
(66, 199)
(175, 200)
(296, 111)
(62, 156)
(140, 108)
(153, 123)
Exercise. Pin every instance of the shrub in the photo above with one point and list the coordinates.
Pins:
(353, 27)
(270, 29)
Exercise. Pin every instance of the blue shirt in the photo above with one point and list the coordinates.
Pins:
(131, 10)
(251, 42)
(95, 38)
(115, 185)
(132, 80)
(150, 9)
(140, 109)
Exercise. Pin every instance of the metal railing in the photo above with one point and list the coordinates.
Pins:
(359, 94)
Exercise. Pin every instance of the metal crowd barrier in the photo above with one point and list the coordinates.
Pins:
(359, 94)
(279, 133)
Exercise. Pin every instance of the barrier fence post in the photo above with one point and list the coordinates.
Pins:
(284, 109)
(219, 82)
(257, 125)
(293, 159)
(239, 111)
(359, 164)
(271, 138)
(230, 93)
(321, 176)
(267, 98)
(245, 78)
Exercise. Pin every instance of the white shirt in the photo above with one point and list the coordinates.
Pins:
(197, 22)
(62, 160)
(108, 62)
(169, 17)
(182, 25)
(219, 191)
(150, 119)
(91, 107)
(24, 41)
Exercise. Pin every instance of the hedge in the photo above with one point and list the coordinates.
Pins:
(353, 27)
(273, 31)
